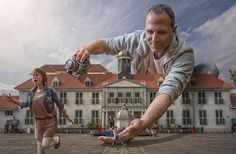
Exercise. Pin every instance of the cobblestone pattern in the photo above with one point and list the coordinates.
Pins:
(206, 143)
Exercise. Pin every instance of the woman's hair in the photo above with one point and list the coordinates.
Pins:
(42, 73)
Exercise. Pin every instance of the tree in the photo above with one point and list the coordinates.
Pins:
(233, 76)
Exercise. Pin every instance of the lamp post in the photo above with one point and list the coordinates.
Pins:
(193, 110)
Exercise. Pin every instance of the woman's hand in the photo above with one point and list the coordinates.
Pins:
(70, 120)
(9, 99)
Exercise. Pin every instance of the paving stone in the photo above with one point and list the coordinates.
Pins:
(206, 143)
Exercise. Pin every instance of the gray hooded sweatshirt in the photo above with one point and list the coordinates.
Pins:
(177, 63)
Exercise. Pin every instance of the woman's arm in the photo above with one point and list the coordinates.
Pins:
(11, 99)
(67, 116)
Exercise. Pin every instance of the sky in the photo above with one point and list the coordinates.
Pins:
(38, 32)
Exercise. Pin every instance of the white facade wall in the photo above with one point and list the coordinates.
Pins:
(103, 107)
(210, 108)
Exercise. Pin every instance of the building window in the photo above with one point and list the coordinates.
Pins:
(61, 119)
(29, 118)
(185, 98)
(95, 117)
(55, 82)
(170, 117)
(111, 94)
(202, 117)
(128, 98)
(79, 98)
(201, 98)
(219, 117)
(111, 97)
(186, 117)
(95, 98)
(218, 98)
(120, 94)
(120, 98)
(63, 97)
(137, 98)
(193, 82)
(79, 117)
(160, 82)
(152, 96)
(8, 113)
(87, 83)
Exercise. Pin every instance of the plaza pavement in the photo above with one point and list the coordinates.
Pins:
(205, 143)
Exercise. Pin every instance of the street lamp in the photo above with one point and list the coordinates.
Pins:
(193, 110)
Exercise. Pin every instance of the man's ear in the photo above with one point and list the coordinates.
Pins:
(174, 28)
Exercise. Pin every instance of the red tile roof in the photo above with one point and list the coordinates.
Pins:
(93, 68)
(99, 75)
(150, 81)
(6, 105)
(207, 81)
(233, 100)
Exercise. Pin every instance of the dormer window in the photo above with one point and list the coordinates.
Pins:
(160, 81)
(193, 82)
(105, 83)
(55, 82)
(87, 82)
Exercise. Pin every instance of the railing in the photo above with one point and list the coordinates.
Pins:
(124, 100)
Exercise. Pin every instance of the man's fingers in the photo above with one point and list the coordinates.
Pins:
(105, 139)
(85, 56)
(81, 55)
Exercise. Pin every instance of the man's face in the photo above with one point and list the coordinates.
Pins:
(159, 32)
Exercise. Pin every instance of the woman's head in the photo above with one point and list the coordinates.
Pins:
(39, 77)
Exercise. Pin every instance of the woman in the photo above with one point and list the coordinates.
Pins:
(40, 100)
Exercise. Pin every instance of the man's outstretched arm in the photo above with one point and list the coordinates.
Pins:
(95, 47)
(155, 110)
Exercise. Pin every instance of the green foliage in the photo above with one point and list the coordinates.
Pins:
(154, 126)
(92, 125)
(233, 75)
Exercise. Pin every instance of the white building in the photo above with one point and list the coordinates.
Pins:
(207, 102)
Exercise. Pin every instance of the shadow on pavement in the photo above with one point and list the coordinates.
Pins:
(151, 140)
(156, 140)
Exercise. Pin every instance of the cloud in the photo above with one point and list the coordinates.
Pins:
(35, 33)
(5, 88)
(215, 42)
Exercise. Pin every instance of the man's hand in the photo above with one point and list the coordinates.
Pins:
(134, 129)
(81, 55)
